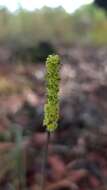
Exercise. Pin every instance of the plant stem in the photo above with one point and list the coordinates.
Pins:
(45, 159)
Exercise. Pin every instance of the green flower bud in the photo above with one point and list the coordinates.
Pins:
(51, 108)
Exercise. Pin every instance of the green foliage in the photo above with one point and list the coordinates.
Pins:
(51, 109)
(55, 25)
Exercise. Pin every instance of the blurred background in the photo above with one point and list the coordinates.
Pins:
(29, 32)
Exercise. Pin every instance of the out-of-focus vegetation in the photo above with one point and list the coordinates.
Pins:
(77, 158)
(25, 28)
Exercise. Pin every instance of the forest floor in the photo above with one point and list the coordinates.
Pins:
(77, 157)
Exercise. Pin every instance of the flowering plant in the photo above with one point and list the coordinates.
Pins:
(51, 108)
